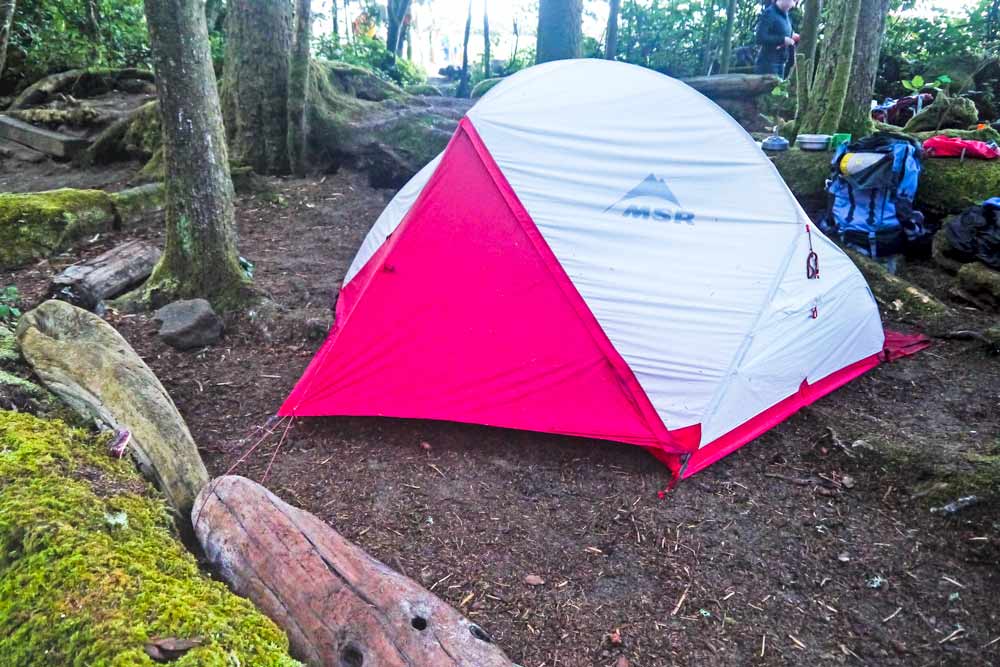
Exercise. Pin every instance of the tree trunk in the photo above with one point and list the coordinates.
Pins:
(94, 28)
(826, 101)
(805, 56)
(397, 9)
(560, 30)
(463, 84)
(727, 37)
(336, 22)
(707, 51)
(486, 41)
(6, 19)
(255, 83)
(611, 44)
(214, 10)
(856, 118)
(199, 257)
(298, 84)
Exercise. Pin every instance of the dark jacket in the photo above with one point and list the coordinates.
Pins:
(772, 28)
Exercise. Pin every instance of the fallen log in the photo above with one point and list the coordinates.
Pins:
(84, 361)
(338, 605)
(46, 141)
(733, 85)
(76, 82)
(106, 276)
(900, 297)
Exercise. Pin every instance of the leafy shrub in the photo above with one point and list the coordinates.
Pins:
(372, 54)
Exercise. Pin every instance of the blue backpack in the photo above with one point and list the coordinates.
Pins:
(871, 188)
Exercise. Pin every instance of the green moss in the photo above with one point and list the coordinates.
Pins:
(15, 382)
(423, 89)
(153, 170)
(137, 204)
(143, 137)
(944, 252)
(8, 346)
(34, 225)
(986, 134)
(484, 87)
(945, 112)
(981, 282)
(946, 185)
(89, 570)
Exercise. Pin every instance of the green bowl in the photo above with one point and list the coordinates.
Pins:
(838, 139)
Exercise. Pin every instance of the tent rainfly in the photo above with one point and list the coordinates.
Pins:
(600, 251)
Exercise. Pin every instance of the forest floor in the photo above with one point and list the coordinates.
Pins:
(814, 544)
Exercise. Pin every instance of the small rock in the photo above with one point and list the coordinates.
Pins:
(534, 580)
(317, 327)
(186, 325)
(956, 506)
(847, 481)
(844, 557)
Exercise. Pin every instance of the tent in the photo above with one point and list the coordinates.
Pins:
(600, 251)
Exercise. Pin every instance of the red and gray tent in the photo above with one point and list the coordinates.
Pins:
(600, 251)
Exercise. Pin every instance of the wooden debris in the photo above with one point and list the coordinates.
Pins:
(338, 605)
(105, 276)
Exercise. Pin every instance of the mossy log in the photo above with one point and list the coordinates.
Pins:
(35, 225)
(76, 82)
(82, 116)
(90, 573)
(38, 224)
(981, 283)
(339, 605)
(900, 297)
(944, 253)
(84, 361)
(425, 89)
(946, 185)
(136, 135)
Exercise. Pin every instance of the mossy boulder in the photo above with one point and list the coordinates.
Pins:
(944, 113)
(90, 571)
(946, 185)
(484, 86)
(981, 283)
(35, 225)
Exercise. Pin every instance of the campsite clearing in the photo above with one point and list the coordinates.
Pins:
(807, 545)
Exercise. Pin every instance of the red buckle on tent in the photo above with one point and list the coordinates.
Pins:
(815, 312)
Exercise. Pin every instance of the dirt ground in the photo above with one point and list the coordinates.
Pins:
(815, 544)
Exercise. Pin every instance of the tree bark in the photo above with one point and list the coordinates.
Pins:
(560, 30)
(805, 56)
(106, 276)
(199, 257)
(826, 100)
(7, 8)
(255, 83)
(486, 41)
(856, 117)
(611, 44)
(339, 606)
(463, 83)
(298, 84)
(213, 13)
(397, 9)
(727, 38)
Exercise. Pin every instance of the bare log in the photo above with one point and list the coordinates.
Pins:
(733, 85)
(338, 605)
(76, 82)
(105, 276)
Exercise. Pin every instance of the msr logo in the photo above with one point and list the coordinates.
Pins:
(646, 201)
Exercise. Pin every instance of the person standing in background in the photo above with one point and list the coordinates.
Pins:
(775, 37)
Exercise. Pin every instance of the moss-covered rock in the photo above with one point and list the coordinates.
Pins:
(981, 283)
(946, 185)
(986, 134)
(944, 113)
(484, 86)
(89, 570)
(37, 224)
(142, 138)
